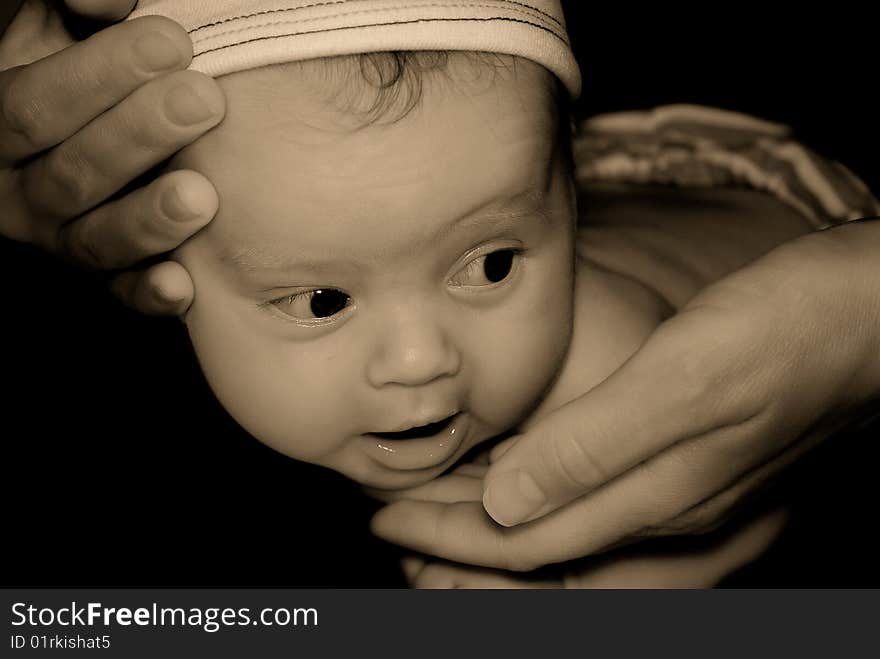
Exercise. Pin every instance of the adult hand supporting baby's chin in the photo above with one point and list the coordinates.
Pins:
(80, 120)
(753, 372)
(637, 566)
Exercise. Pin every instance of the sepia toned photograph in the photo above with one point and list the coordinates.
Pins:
(437, 294)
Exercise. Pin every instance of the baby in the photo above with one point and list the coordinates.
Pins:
(398, 273)
(385, 288)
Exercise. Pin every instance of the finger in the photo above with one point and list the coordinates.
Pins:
(476, 470)
(47, 101)
(412, 565)
(439, 575)
(594, 438)
(146, 222)
(644, 497)
(700, 568)
(452, 488)
(460, 532)
(464, 483)
(163, 290)
(705, 369)
(104, 10)
(449, 489)
(708, 515)
(154, 122)
(500, 449)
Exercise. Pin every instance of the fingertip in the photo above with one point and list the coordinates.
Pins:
(513, 497)
(383, 520)
(189, 197)
(192, 104)
(200, 193)
(400, 520)
(171, 288)
(163, 290)
(169, 29)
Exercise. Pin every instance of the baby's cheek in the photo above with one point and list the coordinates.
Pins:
(520, 362)
(274, 391)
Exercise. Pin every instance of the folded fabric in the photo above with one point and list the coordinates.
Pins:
(692, 146)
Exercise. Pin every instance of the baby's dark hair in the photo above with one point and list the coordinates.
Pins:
(385, 87)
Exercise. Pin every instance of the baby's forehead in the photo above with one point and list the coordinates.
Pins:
(291, 157)
(321, 108)
(350, 93)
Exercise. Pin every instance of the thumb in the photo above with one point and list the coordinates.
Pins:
(655, 398)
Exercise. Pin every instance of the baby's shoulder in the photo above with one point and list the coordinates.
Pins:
(642, 253)
(614, 313)
(678, 240)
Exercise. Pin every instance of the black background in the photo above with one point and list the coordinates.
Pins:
(120, 469)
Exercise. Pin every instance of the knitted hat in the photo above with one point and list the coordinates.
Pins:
(236, 35)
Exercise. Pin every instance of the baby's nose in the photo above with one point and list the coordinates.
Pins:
(412, 351)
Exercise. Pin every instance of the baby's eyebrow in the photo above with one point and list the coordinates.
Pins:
(526, 204)
(254, 259)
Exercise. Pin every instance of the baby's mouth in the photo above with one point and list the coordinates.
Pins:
(421, 447)
(417, 432)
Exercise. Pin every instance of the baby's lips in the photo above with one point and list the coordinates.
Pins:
(421, 453)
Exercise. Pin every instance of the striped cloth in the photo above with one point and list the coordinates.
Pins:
(697, 146)
(236, 35)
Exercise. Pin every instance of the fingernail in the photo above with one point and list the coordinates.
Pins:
(181, 203)
(156, 52)
(186, 107)
(167, 297)
(513, 497)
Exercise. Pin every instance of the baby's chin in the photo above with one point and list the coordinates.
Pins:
(389, 486)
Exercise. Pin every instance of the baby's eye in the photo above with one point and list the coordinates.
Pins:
(486, 270)
(309, 305)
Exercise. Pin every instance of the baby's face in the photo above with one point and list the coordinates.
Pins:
(378, 300)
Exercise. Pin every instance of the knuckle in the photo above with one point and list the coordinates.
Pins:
(697, 380)
(716, 374)
(70, 176)
(21, 115)
(140, 131)
(574, 463)
(77, 243)
(691, 519)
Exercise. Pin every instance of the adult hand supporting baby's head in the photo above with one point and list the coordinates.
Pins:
(753, 372)
(81, 120)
